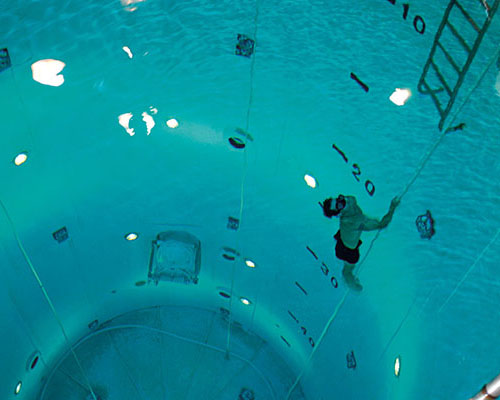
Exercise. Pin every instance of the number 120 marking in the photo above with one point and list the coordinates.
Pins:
(369, 186)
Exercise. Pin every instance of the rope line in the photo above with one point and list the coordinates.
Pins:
(244, 174)
(451, 121)
(340, 304)
(323, 333)
(418, 170)
(464, 277)
(47, 298)
(401, 323)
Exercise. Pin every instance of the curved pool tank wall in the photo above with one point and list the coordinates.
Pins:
(171, 174)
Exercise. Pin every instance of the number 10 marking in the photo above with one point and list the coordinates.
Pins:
(418, 21)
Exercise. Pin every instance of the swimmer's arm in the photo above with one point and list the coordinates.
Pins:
(372, 224)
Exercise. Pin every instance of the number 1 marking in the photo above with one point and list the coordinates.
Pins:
(340, 152)
(406, 7)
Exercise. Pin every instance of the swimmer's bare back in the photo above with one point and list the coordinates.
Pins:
(353, 221)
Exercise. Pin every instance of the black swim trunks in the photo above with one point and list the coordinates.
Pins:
(345, 253)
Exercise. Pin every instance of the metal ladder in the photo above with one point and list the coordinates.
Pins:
(446, 90)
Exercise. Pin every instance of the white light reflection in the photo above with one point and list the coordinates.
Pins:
(172, 123)
(128, 51)
(128, 4)
(20, 159)
(131, 236)
(400, 96)
(150, 122)
(47, 71)
(311, 182)
(124, 120)
(18, 388)
(245, 301)
(397, 365)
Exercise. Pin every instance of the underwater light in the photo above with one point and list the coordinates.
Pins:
(245, 301)
(20, 159)
(18, 388)
(172, 123)
(250, 263)
(131, 236)
(311, 182)
(33, 361)
(397, 365)
(237, 143)
(47, 71)
(400, 96)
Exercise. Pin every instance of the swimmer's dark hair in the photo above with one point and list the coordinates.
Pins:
(327, 208)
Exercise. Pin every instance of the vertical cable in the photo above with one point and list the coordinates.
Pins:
(244, 173)
(83, 276)
(23, 104)
(162, 369)
(47, 298)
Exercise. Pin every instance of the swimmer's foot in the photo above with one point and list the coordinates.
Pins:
(352, 281)
(355, 285)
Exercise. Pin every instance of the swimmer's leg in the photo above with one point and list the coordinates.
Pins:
(350, 279)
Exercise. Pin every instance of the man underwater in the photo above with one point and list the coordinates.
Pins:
(352, 223)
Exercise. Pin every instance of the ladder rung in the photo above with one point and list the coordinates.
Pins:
(441, 78)
(434, 97)
(449, 58)
(460, 67)
(468, 17)
(457, 35)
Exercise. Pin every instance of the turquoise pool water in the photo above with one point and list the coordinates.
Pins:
(431, 302)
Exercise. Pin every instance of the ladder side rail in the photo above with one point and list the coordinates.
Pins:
(434, 97)
(436, 39)
(467, 64)
(441, 78)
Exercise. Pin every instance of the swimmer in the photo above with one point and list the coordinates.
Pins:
(352, 223)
